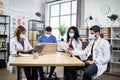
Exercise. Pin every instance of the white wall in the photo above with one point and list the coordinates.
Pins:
(26, 8)
(92, 7)
(30, 6)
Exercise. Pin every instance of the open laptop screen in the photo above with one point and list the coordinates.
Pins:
(47, 48)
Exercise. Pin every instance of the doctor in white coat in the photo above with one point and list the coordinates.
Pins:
(96, 55)
(20, 44)
(74, 43)
(73, 39)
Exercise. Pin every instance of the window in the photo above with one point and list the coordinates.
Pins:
(65, 13)
(55, 10)
(65, 8)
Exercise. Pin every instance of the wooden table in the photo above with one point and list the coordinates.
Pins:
(58, 59)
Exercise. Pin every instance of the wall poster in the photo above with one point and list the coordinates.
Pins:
(18, 17)
(4, 6)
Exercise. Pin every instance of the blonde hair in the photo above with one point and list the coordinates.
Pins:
(18, 31)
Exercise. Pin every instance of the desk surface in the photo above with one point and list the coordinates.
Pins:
(58, 59)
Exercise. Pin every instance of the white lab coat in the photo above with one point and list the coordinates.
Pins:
(77, 45)
(14, 47)
(101, 54)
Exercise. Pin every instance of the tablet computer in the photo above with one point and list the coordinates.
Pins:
(39, 48)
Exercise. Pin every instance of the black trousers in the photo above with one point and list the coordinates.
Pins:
(31, 73)
(89, 72)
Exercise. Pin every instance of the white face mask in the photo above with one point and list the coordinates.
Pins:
(22, 36)
(71, 35)
(92, 36)
(47, 35)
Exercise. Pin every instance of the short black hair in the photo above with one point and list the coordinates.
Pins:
(48, 28)
(95, 28)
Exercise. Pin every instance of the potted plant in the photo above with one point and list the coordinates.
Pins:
(62, 30)
(38, 14)
(35, 53)
(113, 17)
(35, 50)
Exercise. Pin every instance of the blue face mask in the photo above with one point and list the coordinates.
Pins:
(92, 36)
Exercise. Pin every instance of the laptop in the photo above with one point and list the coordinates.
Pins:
(47, 48)
(62, 46)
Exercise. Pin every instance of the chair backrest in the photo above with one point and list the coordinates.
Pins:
(108, 66)
(84, 45)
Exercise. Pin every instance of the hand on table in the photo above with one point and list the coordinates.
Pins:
(69, 49)
(21, 51)
(89, 62)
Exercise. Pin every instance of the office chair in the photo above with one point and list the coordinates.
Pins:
(108, 67)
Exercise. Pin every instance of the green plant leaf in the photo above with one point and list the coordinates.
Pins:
(62, 29)
(113, 17)
(38, 14)
(35, 49)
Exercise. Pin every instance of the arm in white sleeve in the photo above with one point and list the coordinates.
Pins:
(80, 53)
(79, 46)
(29, 47)
(13, 50)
